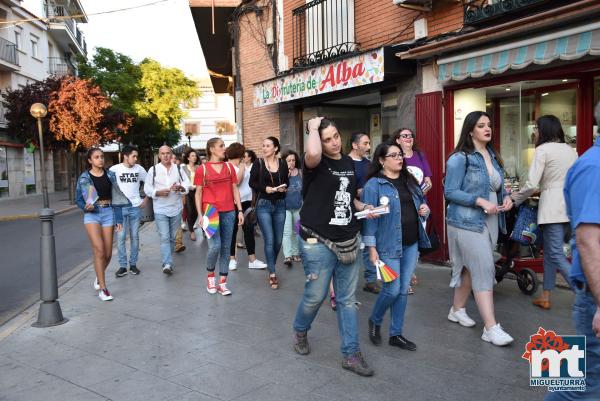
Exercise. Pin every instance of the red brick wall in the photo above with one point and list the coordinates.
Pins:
(379, 22)
(256, 66)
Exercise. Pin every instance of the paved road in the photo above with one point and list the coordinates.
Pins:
(20, 258)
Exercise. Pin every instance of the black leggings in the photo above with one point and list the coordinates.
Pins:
(192, 213)
(248, 234)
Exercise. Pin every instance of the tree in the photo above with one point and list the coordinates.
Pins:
(165, 90)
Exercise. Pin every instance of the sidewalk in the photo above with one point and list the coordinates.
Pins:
(166, 338)
(29, 207)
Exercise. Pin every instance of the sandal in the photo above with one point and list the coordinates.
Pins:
(273, 282)
(296, 258)
(192, 236)
(413, 280)
(411, 290)
(287, 261)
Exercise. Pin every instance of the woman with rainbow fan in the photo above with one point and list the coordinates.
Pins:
(217, 199)
(393, 240)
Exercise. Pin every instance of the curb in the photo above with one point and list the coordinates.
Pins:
(34, 215)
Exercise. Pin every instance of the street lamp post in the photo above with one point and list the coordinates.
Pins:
(189, 137)
(50, 313)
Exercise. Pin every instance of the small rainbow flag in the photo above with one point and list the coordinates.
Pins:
(385, 273)
(90, 195)
(210, 220)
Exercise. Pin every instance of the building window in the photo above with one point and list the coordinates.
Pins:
(3, 172)
(191, 128)
(18, 40)
(224, 127)
(34, 47)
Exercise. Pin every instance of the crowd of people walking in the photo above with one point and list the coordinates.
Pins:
(310, 207)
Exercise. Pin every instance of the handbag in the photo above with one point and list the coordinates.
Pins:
(147, 211)
(526, 230)
(434, 240)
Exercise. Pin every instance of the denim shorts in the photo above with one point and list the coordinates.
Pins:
(104, 217)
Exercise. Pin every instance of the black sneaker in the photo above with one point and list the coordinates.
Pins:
(121, 272)
(134, 270)
(372, 288)
(374, 333)
(301, 343)
(357, 364)
(401, 342)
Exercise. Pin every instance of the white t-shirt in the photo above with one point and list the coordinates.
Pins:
(244, 186)
(129, 181)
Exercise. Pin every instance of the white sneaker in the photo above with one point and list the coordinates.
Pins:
(167, 269)
(96, 285)
(257, 264)
(232, 264)
(496, 335)
(104, 295)
(184, 226)
(460, 316)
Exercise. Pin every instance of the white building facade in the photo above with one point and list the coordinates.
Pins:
(32, 49)
(211, 115)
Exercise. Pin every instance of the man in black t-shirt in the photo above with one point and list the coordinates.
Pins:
(329, 191)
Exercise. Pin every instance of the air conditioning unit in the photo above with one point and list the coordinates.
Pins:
(419, 5)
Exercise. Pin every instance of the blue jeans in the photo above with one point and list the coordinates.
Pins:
(131, 225)
(319, 266)
(370, 272)
(167, 230)
(394, 295)
(554, 258)
(584, 309)
(271, 219)
(220, 243)
(290, 238)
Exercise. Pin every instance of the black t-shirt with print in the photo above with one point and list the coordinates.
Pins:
(409, 218)
(329, 191)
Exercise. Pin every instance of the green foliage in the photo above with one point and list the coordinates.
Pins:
(165, 89)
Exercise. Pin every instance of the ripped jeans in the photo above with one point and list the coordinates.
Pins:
(319, 265)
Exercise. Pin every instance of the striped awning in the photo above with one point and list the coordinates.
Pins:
(565, 45)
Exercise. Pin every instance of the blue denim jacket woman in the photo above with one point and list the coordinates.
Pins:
(378, 232)
(466, 180)
(119, 200)
(393, 238)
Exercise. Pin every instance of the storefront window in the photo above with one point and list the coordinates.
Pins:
(514, 109)
(29, 171)
(3, 172)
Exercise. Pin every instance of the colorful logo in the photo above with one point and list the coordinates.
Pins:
(556, 362)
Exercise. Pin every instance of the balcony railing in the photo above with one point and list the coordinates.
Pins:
(322, 30)
(8, 51)
(60, 66)
(483, 11)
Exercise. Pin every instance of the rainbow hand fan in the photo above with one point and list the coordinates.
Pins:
(90, 195)
(210, 221)
(385, 273)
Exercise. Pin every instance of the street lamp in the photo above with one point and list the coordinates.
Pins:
(50, 313)
(189, 137)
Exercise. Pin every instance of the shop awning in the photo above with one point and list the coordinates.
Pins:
(569, 44)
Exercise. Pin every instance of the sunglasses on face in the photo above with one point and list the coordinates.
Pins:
(396, 156)
(406, 136)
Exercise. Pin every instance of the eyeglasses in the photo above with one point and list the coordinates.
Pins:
(406, 136)
(397, 156)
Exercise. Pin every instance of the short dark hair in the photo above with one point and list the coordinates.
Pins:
(290, 152)
(186, 156)
(235, 151)
(355, 138)
(549, 130)
(128, 149)
(251, 155)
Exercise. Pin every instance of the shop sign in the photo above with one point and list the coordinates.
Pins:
(364, 69)
(29, 170)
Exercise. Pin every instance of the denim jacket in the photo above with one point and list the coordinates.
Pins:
(385, 232)
(119, 200)
(466, 180)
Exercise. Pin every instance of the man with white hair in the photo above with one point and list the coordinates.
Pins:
(166, 185)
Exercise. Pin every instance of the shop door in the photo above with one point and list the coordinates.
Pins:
(430, 139)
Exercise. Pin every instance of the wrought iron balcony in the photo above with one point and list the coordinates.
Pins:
(322, 30)
(60, 66)
(478, 12)
(8, 52)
